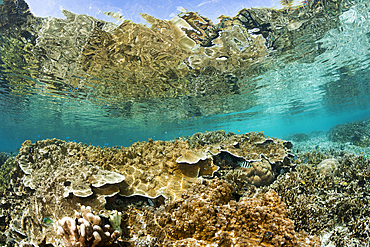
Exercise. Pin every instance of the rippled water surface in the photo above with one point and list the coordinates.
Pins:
(296, 69)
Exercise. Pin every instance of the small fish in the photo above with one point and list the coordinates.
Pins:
(238, 130)
(269, 234)
(47, 221)
(151, 203)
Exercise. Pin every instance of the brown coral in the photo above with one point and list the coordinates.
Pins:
(205, 215)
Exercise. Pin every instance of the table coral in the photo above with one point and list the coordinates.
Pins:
(205, 215)
(155, 168)
(51, 163)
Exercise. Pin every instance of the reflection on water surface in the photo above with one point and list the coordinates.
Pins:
(261, 61)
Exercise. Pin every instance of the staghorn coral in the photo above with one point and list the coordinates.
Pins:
(205, 215)
(86, 230)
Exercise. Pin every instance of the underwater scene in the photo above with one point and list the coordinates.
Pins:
(197, 123)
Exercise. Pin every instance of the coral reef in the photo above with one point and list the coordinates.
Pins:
(299, 137)
(327, 166)
(247, 159)
(320, 192)
(54, 177)
(150, 168)
(357, 133)
(205, 215)
(320, 201)
(6, 170)
(86, 230)
(3, 158)
(48, 164)
(154, 168)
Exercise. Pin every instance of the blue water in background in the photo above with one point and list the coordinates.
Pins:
(291, 98)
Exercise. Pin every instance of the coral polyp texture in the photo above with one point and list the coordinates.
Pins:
(205, 215)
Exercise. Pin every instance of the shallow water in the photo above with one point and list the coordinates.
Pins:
(298, 73)
(306, 74)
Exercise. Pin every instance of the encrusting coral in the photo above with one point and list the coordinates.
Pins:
(86, 230)
(205, 215)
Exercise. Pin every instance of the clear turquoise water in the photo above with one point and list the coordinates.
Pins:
(288, 97)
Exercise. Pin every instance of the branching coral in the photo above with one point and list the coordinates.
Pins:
(86, 230)
(335, 194)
